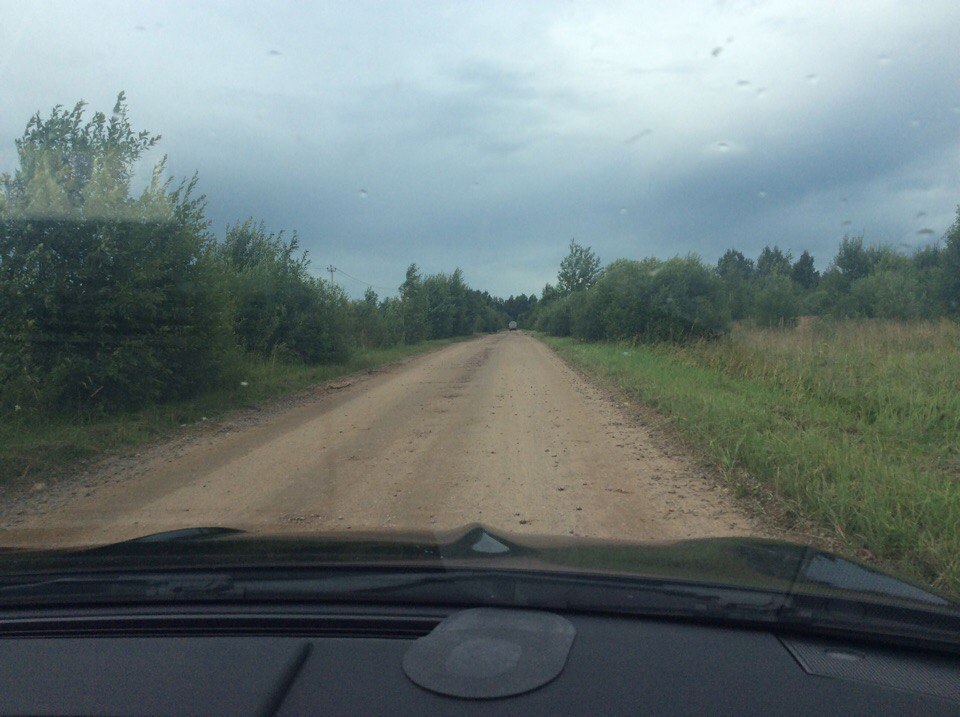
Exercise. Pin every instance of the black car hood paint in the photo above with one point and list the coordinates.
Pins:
(772, 566)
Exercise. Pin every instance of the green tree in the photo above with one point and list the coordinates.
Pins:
(885, 294)
(804, 272)
(367, 321)
(441, 307)
(777, 302)
(318, 319)
(672, 300)
(773, 262)
(277, 307)
(518, 308)
(462, 315)
(68, 167)
(549, 294)
(733, 266)
(413, 298)
(106, 299)
(687, 301)
(261, 273)
(926, 264)
(737, 273)
(391, 310)
(949, 289)
(619, 305)
(578, 270)
(852, 260)
(556, 316)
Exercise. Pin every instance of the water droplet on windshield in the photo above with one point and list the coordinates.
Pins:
(274, 53)
(915, 123)
(762, 195)
(921, 215)
(623, 210)
(722, 147)
(761, 91)
(813, 79)
(883, 59)
(926, 232)
(743, 83)
(716, 51)
(638, 136)
(363, 193)
(846, 223)
(140, 28)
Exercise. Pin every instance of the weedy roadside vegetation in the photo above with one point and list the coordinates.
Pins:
(36, 448)
(853, 425)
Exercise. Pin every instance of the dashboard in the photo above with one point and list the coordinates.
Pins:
(290, 660)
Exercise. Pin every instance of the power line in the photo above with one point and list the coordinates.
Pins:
(333, 269)
(373, 286)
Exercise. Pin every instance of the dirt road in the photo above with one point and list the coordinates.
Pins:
(497, 430)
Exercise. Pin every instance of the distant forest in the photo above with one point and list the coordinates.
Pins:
(683, 298)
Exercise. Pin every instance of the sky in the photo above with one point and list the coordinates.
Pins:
(488, 135)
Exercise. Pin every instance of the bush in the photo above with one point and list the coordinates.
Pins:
(885, 295)
(277, 308)
(618, 302)
(686, 301)
(671, 300)
(556, 318)
(949, 280)
(777, 302)
(319, 323)
(105, 300)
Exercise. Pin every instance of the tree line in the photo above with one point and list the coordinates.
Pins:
(683, 297)
(114, 299)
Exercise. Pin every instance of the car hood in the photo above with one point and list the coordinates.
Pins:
(767, 565)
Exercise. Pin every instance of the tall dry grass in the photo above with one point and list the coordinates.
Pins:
(900, 378)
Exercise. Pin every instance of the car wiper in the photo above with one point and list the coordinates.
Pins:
(414, 585)
(469, 587)
(920, 625)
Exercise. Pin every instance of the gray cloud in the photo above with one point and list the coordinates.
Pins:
(486, 136)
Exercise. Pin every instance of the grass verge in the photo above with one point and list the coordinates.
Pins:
(41, 448)
(854, 427)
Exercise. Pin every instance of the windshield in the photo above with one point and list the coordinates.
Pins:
(630, 273)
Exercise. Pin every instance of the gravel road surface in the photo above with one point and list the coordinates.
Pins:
(497, 430)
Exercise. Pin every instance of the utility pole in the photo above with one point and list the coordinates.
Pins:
(331, 268)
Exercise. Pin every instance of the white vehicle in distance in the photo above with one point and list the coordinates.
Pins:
(512, 326)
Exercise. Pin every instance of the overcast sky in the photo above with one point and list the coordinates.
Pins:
(487, 135)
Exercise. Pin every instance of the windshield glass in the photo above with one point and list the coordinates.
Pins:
(641, 272)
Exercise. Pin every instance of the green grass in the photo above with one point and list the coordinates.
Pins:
(42, 448)
(854, 426)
